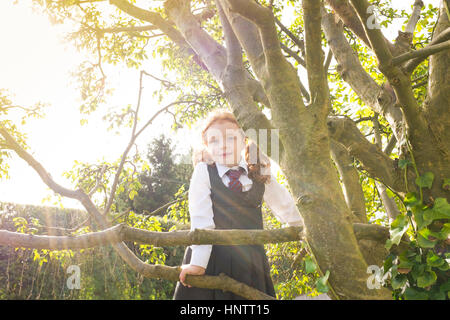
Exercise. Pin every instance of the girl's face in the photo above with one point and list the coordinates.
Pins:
(225, 142)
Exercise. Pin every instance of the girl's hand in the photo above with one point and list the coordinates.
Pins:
(190, 269)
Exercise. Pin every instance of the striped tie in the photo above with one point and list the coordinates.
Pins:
(234, 183)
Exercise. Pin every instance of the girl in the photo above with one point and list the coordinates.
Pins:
(226, 192)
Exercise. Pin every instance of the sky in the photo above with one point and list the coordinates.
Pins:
(35, 65)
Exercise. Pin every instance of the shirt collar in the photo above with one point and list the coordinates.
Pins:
(222, 169)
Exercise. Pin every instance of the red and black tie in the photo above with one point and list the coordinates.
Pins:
(234, 183)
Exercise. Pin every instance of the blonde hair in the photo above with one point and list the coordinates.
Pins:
(255, 170)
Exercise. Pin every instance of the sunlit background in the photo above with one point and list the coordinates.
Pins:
(35, 65)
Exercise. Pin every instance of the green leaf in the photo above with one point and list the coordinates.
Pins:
(445, 287)
(427, 279)
(425, 243)
(425, 180)
(414, 294)
(398, 228)
(321, 283)
(403, 163)
(445, 231)
(444, 267)
(132, 194)
(432, 235)
(310, 266)
(388, 263)
(399, 222)
(418, 212)
(417, 271)
(411, 199)
(398, 281)
(405, 264)
(439, 295)
(440, 210)
(434, 260)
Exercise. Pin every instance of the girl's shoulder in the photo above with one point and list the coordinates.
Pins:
(201, 170)
(201, 165)
(200, 175)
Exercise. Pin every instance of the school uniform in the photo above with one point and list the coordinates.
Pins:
(213, 204)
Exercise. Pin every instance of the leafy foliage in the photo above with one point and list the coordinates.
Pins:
(422, 270)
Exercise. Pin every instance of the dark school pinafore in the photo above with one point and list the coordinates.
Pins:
(244, 263)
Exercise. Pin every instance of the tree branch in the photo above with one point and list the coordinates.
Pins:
(404, 39)
(126, 29)
(416, 125)
(277, 75)
(351, 70)
(373, 232)
(122, 232)
(421, 54)
(353, 193)
(299, 43)
(415, 16)
(147, 270)
(293, 54)
(350, 19)
(233, 47)
(373, 159)
(133, 138)
(317, 80)
(389, 203)
(155, 19)
(233, 81)
(214, 56)
(413, 63)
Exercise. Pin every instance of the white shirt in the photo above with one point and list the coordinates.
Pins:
(276, 196)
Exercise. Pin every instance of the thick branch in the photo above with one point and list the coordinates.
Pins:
(249, 38)
(416, 125)
(121, 232)
(415, 16)
(353, 193)
(404, 39)
(421, 53)
(126, 29)
(413, 63)
(233, 47)
(376, 38)
(349, 67)
(214, 56)
(373, 159)
(350, 19)
(154, 18)
(388, 202)
(277, 75)
(317, 80)
(372, 232)
(45, 176)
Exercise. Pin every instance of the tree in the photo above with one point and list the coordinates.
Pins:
(409, 154)
(161, 183)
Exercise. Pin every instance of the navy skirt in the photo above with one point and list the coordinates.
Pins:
(244, 263)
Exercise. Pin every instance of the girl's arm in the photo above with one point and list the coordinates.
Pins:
(201, 212)
(282, 204)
